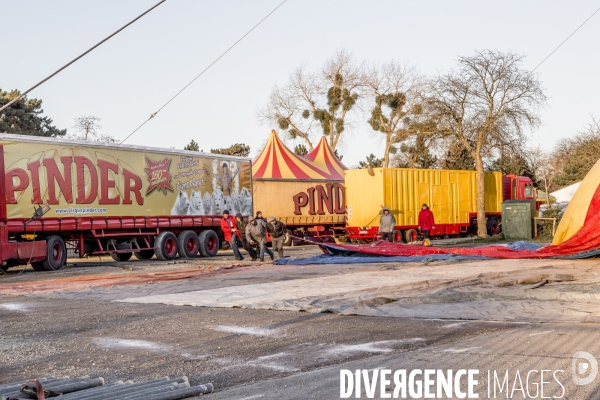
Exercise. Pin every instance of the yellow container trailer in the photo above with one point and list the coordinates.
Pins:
(450, 194)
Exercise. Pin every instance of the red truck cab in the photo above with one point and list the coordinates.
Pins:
(517, 188)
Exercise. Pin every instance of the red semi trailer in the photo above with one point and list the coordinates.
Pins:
(96, 198)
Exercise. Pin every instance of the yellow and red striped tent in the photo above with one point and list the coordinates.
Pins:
(583, 209)
(323, 157)
(276, 161)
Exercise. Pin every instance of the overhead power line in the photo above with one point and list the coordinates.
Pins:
(568, 37)
(201, 73)
(83, 54)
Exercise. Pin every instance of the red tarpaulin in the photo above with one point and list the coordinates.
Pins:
(581, 245)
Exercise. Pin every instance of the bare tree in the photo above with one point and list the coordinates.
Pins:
(395, 91)
(540, 162)
(486, 102)
(87, 128)
(573, 157)
(311, 104)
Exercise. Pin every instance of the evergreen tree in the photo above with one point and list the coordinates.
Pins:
(192, 146)
(371, 161)
(238, 149)
(24, 117)
(300, 150)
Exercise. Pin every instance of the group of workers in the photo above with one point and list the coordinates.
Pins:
(388, 222)
(251, 235)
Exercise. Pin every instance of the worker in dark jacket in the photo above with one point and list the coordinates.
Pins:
(231, 233)
(256, 233)
(278, 231)
(242, 223)
(386, 225)
(426, 221)
(261, 220)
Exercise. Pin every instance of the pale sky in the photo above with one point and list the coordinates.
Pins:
(133, 74)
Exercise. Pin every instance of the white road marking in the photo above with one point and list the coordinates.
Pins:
(129, 343)
(453, 325)
(111, 343)
(384, 346)
(246, 330)
(265, 362)
(23, 307)
(258, 396)
(540, 333)
(461, 350)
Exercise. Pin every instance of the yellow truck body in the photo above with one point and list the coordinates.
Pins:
(450, 194)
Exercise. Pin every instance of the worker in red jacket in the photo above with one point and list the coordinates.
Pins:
(231, 233)
(426, 221)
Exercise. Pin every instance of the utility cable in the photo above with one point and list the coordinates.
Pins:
(77, 58)
(563, 42)
(201, 73)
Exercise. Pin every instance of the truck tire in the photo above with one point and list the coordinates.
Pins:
(122, 256)
(165, 246)
(410, 235)
(288, 241)
(56, 255)
(209, 243)
(187, 244)
(144, 254)
(9, 263)
(493, 226)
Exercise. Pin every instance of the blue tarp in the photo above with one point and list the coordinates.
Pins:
(327, 259)
(365, 258)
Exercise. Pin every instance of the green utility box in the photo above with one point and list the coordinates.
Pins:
(517, 219)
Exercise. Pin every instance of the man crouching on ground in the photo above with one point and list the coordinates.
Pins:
(256, 234)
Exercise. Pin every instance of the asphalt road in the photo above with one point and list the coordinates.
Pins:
(254, 354)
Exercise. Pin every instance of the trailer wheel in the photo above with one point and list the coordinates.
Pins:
(56, 255)
(144, 254)
(122, 256)
(397, 236)
(209, 243)
(165, 246)
(493, 226)
(9, 263)
(410, 235)
(187, 243)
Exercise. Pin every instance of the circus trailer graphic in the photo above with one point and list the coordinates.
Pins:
(87, 179)
(304, 192)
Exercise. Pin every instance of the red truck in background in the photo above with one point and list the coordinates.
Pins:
(95, 198)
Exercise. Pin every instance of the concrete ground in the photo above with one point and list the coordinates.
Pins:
(127, 321)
